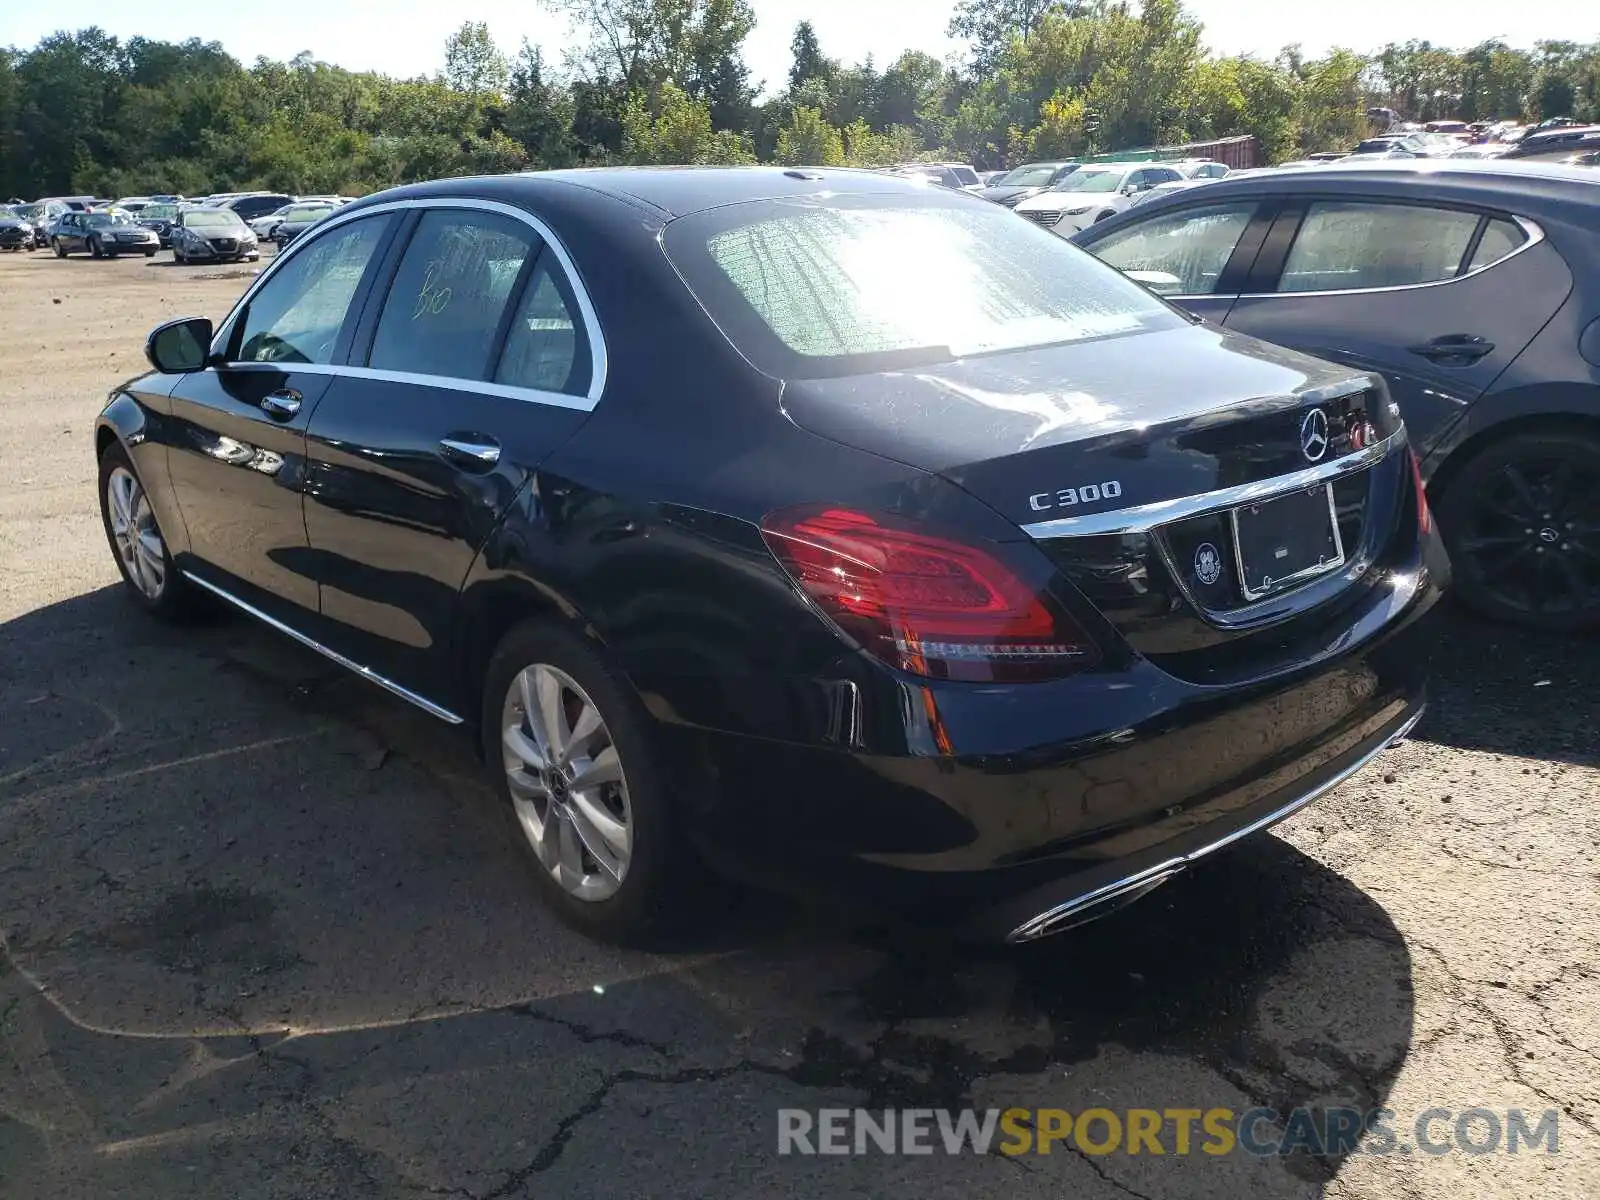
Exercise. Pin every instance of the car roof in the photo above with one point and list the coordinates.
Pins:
(1529, 188)
(667, 191)
(1493, 174)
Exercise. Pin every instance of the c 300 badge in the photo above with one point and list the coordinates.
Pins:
(1207, 564)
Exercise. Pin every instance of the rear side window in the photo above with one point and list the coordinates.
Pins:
(834, 286)
(297, 314)
(547, 347)
(1500, 238)
(1182, 254)
(445, 307)
(1351, 245)
(965, 176)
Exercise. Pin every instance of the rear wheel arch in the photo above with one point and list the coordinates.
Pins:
(1460, 455)
(488, 611)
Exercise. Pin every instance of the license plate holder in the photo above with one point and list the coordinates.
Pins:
(1286, 541)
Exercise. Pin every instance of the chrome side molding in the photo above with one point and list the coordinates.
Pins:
(427, 706)
(1142, 518)
(1104, 900)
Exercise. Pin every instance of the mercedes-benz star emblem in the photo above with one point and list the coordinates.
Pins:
(1207, 564)
(1314, 435)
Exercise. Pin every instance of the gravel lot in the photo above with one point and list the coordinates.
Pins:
(262, 940)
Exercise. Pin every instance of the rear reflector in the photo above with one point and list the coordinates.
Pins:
(1424, 513)
(925, 604)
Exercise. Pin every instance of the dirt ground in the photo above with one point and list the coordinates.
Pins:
(261, 938)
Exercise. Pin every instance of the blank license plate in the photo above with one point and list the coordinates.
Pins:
(1286, 541)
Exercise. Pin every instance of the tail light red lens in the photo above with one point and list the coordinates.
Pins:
(1424, 513)
(922, 603)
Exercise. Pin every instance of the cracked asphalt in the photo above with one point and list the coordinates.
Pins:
(263, 939)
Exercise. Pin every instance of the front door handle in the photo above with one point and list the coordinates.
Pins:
(471, 452)
(281, 404)
(1454, 345)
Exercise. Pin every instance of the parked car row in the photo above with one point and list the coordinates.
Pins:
(219, 228)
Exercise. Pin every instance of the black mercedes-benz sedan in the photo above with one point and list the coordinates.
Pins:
(818, 527)
(1474, 288)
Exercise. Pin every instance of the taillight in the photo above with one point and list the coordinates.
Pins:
(922, 603)
(1424, 513)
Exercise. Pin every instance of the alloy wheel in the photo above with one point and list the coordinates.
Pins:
(1531, 538)
(134, 531)
(568, 788)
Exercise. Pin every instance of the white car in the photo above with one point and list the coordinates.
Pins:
(262, 227)
(1199, 168)
(1093, 193)
(265, 227)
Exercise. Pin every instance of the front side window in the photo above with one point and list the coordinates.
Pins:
(1182, 254)
(450, 294)
(1345, 245)
(835, 286)
(296, 315)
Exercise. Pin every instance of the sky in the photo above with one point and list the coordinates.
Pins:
(407, 39)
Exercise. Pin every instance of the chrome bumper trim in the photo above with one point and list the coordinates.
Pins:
(1142, 518)
(1076, 911)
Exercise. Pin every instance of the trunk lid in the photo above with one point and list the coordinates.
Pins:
(1126, 460)
(1159, 415)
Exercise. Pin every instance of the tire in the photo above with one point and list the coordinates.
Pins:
(96, 250)
(149, 253)
(658, 875)
(170, 597)
(177, 256)
(55, 244)
(1521, 520)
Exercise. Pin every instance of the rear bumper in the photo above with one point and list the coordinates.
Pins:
(1148, 776)
(1054, 909)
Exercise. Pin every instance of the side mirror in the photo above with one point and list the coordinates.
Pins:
(180, 346)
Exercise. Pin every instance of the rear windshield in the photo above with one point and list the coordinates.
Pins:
(848, 284)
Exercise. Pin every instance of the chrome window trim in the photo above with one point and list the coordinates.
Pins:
(598, 355)
(427, 706)
(476, 387)
(1534, 231)
(1142, 518)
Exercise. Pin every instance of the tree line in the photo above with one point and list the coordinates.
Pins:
(665, 81)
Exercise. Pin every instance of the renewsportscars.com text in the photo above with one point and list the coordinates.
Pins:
(1261, 1132)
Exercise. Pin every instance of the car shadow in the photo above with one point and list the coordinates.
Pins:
(1511, 691)
(261, 921)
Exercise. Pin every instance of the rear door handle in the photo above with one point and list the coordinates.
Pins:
(282, 404)
(1454, 345)
(474, 452)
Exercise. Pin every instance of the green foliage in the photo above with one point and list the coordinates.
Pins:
(808, 140)
(661, 81)
(678, 130)
(472, 62)
(809, 63)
